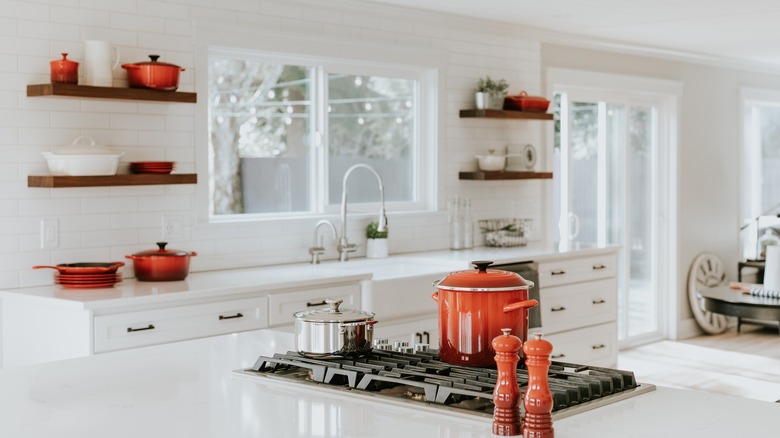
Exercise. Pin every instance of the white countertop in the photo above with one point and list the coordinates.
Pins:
(188, 389)
(237, 281)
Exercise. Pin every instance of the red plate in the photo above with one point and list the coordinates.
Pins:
(87, 286)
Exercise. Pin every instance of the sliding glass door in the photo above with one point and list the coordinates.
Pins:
(608, 195)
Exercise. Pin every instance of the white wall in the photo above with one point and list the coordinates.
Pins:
(708, 151)
(104, 224)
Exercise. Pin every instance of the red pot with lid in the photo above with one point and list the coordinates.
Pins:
(64, 70)
(153, 74)
(474, 306)
(161, 264)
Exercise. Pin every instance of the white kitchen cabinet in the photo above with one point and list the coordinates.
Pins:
(137, 329)
(419, 330)
(284, 304)
(579, 307)
(41, 325)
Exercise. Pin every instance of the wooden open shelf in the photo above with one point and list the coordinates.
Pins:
(495, 176)
(504, 114)
(73, 90)
(54, 181)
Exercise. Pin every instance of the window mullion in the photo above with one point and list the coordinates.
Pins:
(319, 173)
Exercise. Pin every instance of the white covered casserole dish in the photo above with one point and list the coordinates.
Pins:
(83, 160)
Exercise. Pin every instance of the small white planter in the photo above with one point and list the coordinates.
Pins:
(481, 100)
(376, 248)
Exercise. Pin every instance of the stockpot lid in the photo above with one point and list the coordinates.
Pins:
(334, 314)
(483, 279)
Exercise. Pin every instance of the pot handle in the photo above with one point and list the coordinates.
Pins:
(435, 296)
(520, 305)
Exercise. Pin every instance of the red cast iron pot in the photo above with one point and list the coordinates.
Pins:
(153, 74)
(161, 264)
(474, 306)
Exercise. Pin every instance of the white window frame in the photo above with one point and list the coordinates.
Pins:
(750, 165)
(334, 56)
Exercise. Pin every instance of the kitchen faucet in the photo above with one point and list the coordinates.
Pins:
(317, 250)
(344, 247)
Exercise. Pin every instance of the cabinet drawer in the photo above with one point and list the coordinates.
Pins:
(137, 329)
(596, 345)
(567, 307)
(558, 272)
(284, 305)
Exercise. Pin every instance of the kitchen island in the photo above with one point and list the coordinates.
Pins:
(190, 389)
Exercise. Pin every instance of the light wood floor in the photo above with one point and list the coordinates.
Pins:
(745, 365)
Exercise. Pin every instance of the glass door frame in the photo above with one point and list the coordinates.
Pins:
(664, 96)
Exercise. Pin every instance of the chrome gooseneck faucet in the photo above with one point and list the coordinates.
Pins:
(344, 247)
(317, 250)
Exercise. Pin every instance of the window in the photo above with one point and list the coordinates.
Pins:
(284, 130)
(761, 181)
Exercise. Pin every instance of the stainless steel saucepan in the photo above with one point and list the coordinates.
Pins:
(333, 332)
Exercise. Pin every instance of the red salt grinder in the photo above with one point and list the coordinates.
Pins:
(538, 401)
(506, 394)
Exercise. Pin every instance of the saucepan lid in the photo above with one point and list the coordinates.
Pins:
(333, 313)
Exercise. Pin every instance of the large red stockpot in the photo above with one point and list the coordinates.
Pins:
(474, 306)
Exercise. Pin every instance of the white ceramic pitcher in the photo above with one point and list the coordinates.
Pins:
(98, 67)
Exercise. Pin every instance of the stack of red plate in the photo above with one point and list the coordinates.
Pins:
(86, 275)
(152, 166)
(87, 281)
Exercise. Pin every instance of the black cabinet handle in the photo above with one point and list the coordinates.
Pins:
(149, 327)
(427, 337)
(557, 356)
(321, 303)
(599, 301)
(561, 272)
(598, 267)
(419, 338)
(557, 309)
(598, 346)
(237, 315)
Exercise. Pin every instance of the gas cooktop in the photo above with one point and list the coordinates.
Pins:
(421, 378)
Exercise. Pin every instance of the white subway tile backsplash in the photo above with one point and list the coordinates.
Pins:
(136, 121)
(94, 120)
(48, 30)
(9, 26)
(161, 41)
(116, 6)
(281, 9)
(164, 9)
(109, 205)
(75, 15)
(179, 123)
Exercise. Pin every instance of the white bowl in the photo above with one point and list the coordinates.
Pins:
(82, 164)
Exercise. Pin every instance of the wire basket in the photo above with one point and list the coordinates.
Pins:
(505, 232)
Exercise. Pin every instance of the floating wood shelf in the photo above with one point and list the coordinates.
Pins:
(495, 176)
(504, 114)
(73, 90)
(54, 181)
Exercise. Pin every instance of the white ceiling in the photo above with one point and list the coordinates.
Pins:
(735, 30)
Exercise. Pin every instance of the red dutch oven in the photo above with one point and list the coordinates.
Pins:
(153, 74)
(161, 264)
(474, 306)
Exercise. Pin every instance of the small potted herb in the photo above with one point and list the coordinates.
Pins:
(376, 246)
(490, 93)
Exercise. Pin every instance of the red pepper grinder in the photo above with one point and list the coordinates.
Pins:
(538, 401)
(506, 395)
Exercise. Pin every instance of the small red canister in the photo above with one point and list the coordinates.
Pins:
(64, 70)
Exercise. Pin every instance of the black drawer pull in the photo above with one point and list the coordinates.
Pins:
(599, 301)
(598, 267)
(237, 315)
(598, 346)
(321, 303)
(418, 336)
(561, 272)
(427, 337)
(557, 309)
(149, 327)
(558, 356)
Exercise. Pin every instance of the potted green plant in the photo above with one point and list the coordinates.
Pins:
(376, 246)
(490, 93)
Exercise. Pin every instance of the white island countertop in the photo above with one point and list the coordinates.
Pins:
(189, 389)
